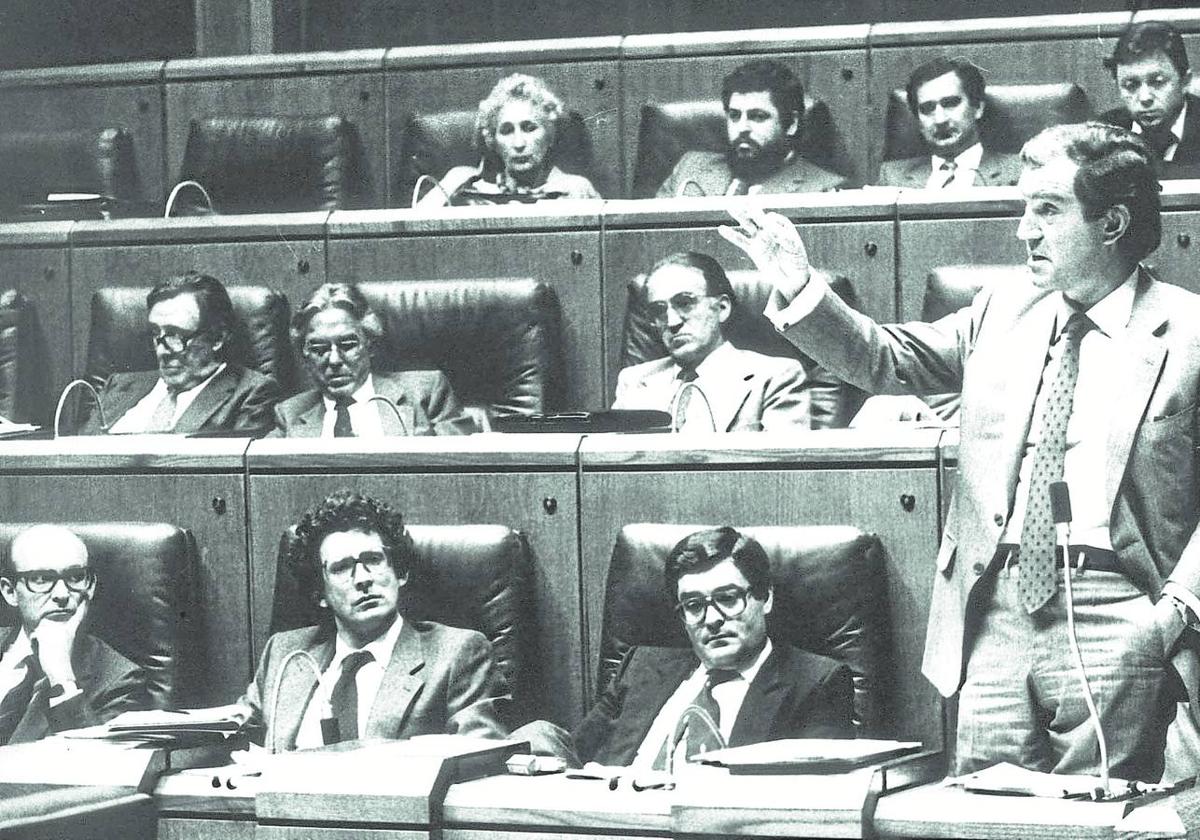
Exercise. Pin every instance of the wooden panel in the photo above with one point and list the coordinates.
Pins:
(1175, 259)
(549, 257)
(836, 77)
(503, 833)
(512, 499)
(333, 832)
(927, 243)
(866, 498)
(175, 828)
(183, 500)
(591, 88)
(41, 275)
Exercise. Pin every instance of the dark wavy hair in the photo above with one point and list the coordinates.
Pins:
(970, 76)
(704, 549)
(345, 510)
(1142, 40)
(217, 317)
(786, 91)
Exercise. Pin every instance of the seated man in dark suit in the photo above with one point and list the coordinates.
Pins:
(764, 110)
(733, 686)
(335, 332)
(705, 382)
(1150, 66)
(53, 674)
(368, 671)
(946, 97)
(195, 389)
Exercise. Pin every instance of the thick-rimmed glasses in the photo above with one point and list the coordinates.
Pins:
(324, 349)
(175, 341)
(372, 562)
(683, 304)
(729, 601)
(41, 581)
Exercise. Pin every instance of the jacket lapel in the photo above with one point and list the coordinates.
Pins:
(207, 402)
(401, 683)
(727, 389)
(308, 421)
(916, 174)
(760, 708)
(124, 391)
(391, 390)
(295, 688)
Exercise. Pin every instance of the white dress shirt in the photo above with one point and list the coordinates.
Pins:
(1176, 130)
(12, 663)
(364, 414)
(136, 419)
(966, 165)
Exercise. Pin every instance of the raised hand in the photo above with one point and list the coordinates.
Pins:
(775, 246)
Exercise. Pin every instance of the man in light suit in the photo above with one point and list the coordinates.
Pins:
(335, 331)
(946, 97)
(53, 674)
(705, 382)
(368, 671)
(196, 389)
(1088, 373)
(764, 111)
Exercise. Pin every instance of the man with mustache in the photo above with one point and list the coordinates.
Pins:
(946, 97)
(764, 112)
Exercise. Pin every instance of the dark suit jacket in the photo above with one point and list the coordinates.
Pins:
(996, 169)
(1187, 154)
(440, 680)
(795, 694)
(109, 684)
(237, 400)
(424, 399)
(710, 171)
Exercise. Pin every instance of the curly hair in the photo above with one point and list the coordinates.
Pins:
(346, 296)
(517, 86)
(345, 510)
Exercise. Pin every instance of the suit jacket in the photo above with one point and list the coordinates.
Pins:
(1187, 154)
(108, 682)
(795, 694)
(710, 171)
(749, 392)
(440, 680)
(994, 352)
(236, 400)
(424, 399)
(996, 169)
(462, 178)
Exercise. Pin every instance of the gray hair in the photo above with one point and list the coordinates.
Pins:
(517, 86)
(346, 296)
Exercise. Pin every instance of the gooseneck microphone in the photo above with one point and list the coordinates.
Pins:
(62, 399)
(416, 193)
(677, 401)
(688, 182)
(180, 187)
(329, 724)
(395, 410)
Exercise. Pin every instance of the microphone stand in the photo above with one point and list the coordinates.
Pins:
(395, 410)
(62, 399)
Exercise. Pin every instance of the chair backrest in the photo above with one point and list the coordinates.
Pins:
(145, 606)
(24, 387)
(96, 160)
(832, 401)
(120, 339)
(497, 340)
(1014, 113)
(432, 144)
(275, 164)
(948, 288)
(830, 598)
(668, 129)
(472, 576)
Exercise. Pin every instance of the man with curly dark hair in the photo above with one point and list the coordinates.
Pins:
(367, 671)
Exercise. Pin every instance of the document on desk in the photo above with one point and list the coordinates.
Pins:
(1012, 780)
(808, 755)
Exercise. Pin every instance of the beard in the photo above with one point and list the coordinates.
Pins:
(753, 165)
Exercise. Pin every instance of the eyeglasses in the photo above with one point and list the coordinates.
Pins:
(323, 349)
(41, 581)
(730, 602)
(684, 304)
(372, 562)
(175, 341)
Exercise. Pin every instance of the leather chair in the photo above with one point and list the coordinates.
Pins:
(145, 606)
(275, 164)
(1014, 113)
(497, 340)
(96, 160)
(432, 144)
(473, 576)
(119, 337)
(24, 386)
(833, 402)
(830, 598)
(668, 129)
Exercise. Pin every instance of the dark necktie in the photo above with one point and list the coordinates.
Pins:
(344, 698)
(1037, 581)
(948, 168)
(1159, 140)
(700, 723)
(342, 427)
(683, 395)
(738, 186)
(16, 702)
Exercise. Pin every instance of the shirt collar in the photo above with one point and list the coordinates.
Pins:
(195, 389)
(968, 158)
(20, 648)
(381, 648)
(716, 360)
(1111, 313)
(1176, 127)
(750, 671)
(362, 395)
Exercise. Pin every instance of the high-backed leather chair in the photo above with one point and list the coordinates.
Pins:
(1014, 113)
(830, 598)
(832, 401)
(668, 129)
(432, 144)
(89, 160)
(24, 386)
(145, 606)
(472, 576)
(497, 340)
(275, 164)
(120, 340)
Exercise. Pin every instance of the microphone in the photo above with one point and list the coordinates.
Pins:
(178, 188)
(436, 183)
(329, 724)
(62, 399)
(677, 401)
(699, 717)
(692, 182)
(395, 410)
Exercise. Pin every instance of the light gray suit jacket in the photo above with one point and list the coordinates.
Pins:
(996, 169)
(710, 172)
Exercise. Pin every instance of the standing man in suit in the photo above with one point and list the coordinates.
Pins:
(335, 331)
(1088, 373)
(764, 112)
(54, 675)
(196, 388)
(368, 670)
(705, 382)
(946, 97)
(1150, 66)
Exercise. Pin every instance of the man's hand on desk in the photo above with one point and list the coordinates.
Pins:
(775, 246)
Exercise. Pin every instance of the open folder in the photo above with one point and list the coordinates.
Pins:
(808, 755)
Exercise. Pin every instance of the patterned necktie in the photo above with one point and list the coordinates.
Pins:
(699, 727)
(1037, 580)
(16, 702)
(163, 418)
(947, 170)
(344, 698)
(342, 427)
(683, 396)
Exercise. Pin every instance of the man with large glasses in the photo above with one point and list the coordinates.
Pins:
(196, 389)
(54, 675)
(705, 382)
(335, 331)
(367, 670)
